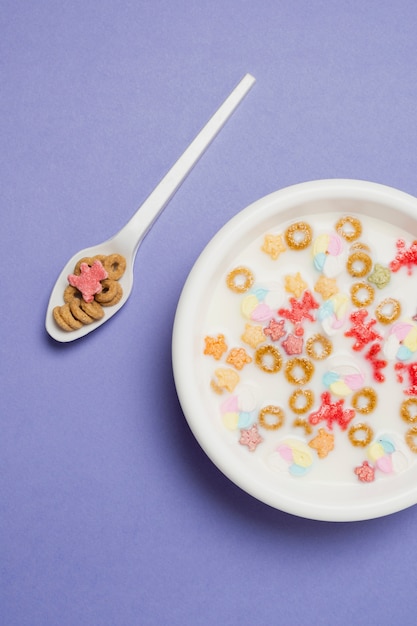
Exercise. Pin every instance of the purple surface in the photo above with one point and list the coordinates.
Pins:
(110, 513)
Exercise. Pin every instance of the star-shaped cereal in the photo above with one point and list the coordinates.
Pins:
(88, 281)
(238, 357)
(295, 284)
(253, 335)
(273, 245)
(226, 379)
(323, 443)
(326, 287)
(275, 330)
(215, 346)
(250, 437)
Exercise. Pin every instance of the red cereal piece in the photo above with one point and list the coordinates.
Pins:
(250, 437)
(275, 330)
(365, 472)
(331, 412)
(293, 344)
(300, 309)
(411, 370)
(361, 331)
(377, 364)
(88, 281)
(405, 257)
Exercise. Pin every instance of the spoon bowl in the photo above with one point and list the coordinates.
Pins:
(126, 242)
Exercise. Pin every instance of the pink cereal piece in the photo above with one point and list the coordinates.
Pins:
(230, 405)
(362, 332)
(293, 344)
(300, 309)
(88, 282)
(250, 437)
(365, 472)
(275, 330)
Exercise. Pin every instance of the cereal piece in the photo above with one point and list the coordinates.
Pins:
(302, 423)
(411, 369)
(410, 436)
(362, 294)
(323, 443)
(380, 276)
(299, 371)
(93, 309)
(319, 347)
(240, 279)
(60, 320)
(388, 311)
(68, 317)
(360, 435)
(408, 410)
(364, 400)
(71, 292)
(377, 364)
(215, 346)
(295, 284)
(238, 357)
(298, 236)
(78, 313)
(110, 294)
(275, 330)
(115, 266)
(348, 227)
(300, 309)
(89, 260)
(268, 359)
(307, 398)
(362, 332)
(273, 245)
(365, 472)
(293, 344)
(326, 287)
(88, 281)
(227, 378)
(253, 335)
(331, 412)
(405, 257)
(359, 264)
(277, 415)
(250, 437)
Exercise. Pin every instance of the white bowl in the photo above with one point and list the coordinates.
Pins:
(332, 490)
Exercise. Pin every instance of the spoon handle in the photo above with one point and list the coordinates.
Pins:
(137, 227)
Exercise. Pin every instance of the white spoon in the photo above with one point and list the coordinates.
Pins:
(126, 242)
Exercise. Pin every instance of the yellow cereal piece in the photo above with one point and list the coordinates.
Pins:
(323, 443)
(295, 284)
(273, 245)
(248, 304)
(238, 357)
(230, 420)
(253, 335)
(215, 346)
(326, 287)
(227, 378)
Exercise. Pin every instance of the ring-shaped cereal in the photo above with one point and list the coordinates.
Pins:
(115, 265)
(240, 279)
(307, 399)
(405, 410)
(306, 367)
(410, 436)
(359, 264)
(78, 313)
(93, 309)
(277, 414)
(111, 293)
(319, 347)
(388, 311)
(302, 423)
(70, 293)
(298, 236)
(369, 396)
(348, 227)
(89, 260)
(359, 288)
(365, 430)
(268, 353)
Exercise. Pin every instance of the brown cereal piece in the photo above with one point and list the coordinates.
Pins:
(71, 292)
(319, 347)
(406, 413)
(93, 309)
(348, 227)
(274, 412)
(115, 266)
(299, 371)
(60, 320)
(240, 279)
(68, 317)
(215, 346)
(364, 401)
(302, 423)
(362, 294)
(388, 311)
(365, 433)
(78, 313)
(323, 443)
(110, 294)
(238, 357)
(301, 401)
(268, 358)
(298, 236)
(410, 439)
(359, 264)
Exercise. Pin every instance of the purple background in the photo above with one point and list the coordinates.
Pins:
(110, 513)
